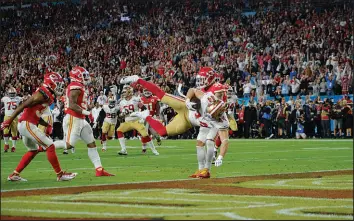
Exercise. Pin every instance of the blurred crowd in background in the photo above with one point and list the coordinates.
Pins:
(266, 54)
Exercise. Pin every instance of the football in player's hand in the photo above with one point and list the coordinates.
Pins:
(197, 103)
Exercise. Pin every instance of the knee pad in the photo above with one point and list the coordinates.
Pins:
(210, 144)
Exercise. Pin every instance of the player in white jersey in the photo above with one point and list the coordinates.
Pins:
(10, 103)
(231, 100)
(214, 119)
(109, 124)
(128, 105)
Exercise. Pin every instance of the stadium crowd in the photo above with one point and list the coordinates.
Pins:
(276, 53)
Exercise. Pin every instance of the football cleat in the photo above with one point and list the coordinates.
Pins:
(154, 151)
(195, 175)
(16, 177)
(13, 149)
(123, 152)
(143, 151)
(101, 172)
(64, 176)
(6, 147)
(204, 174)
(129, 79)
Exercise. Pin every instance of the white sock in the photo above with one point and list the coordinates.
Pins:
(201, 157)
(6, 140)
(94, 157)
(151, 145)
(104, 143)
(60, 144)
(144, 146)
(14, 143)
(122, 143)
(209, 154)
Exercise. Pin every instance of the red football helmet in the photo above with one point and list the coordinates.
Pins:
(55, 82)
(80, 74)
(205, 77)
(147, 93)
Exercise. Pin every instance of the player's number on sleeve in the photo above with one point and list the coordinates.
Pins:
(11, 105)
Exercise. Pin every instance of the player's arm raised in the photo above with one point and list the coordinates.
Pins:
(74, 94)
(193, 92)
(37, 98)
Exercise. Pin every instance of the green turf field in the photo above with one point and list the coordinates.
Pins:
(177, 160)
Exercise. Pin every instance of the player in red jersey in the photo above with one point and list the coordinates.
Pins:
(152, 104)
(75, 126)
(34, 139)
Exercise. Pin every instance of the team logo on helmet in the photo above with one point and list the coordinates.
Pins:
(147, 93)
(81, 75)
(205, 77)
(12, 92)
(55, 82)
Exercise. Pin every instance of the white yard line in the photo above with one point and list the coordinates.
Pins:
(234, 216)
(157, 181)
(230, 161)
(100, 214)
(132, 205)
(293, 212)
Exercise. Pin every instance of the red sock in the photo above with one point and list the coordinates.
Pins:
(104, 137)
(152, 88)
(120, 134)
(26, 159)
(53, 159)
(157, 126)
(218, 142)
(134, 133)
(145, 139)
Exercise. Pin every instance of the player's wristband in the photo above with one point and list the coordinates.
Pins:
(85, 112)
